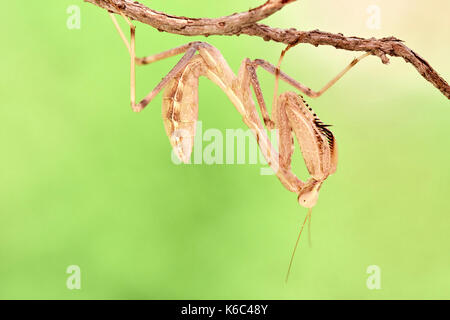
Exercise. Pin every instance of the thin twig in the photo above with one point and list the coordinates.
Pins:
(245, 23)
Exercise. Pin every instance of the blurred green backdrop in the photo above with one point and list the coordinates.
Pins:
(87, 182)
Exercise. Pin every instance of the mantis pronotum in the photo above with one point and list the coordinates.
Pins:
(290, 113)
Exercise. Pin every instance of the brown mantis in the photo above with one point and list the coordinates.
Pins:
(291, 115)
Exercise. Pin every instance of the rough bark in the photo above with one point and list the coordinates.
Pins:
(246, 23)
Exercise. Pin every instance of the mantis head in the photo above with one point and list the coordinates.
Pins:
(308, 196)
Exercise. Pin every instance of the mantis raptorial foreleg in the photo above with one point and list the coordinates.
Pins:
(291, 114)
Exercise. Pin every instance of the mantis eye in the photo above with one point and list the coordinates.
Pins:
(308, 196)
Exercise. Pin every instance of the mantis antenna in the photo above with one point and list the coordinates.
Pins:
(309, 230)
(308, 215)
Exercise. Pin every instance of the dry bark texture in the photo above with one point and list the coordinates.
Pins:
(246, 23)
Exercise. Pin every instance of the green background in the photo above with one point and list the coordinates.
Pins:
(87, 182)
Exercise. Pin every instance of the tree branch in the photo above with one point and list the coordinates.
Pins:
(228, 25)
(245, 23)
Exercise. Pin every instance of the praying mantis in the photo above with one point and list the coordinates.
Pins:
(290, 114)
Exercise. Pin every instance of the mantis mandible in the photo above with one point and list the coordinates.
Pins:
(291, 115)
